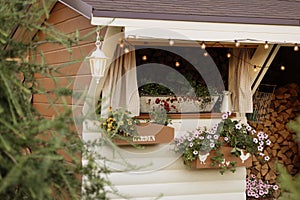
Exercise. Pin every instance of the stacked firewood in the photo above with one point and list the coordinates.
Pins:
(285, 106)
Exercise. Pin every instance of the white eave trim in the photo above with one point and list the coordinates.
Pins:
(203, 31)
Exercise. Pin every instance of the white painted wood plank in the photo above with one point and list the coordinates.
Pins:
(219, 196)
(173, 176)
(181, 188)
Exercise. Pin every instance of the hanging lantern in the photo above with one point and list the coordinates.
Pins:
(97, 61)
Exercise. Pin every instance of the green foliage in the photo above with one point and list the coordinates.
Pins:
(40, 158)
(119, 123)
(232, 133)
(295, 126)
(290, 185)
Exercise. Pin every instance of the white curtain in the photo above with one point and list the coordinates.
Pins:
(120, 88)
(240, 82)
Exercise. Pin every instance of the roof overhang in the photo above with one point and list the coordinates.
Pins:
(203, 31)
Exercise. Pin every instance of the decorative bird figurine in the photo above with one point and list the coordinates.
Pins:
(244, 156)
(203, 157)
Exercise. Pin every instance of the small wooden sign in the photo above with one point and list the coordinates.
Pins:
(149, 133)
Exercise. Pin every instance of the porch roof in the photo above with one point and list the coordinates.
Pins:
(272, 12)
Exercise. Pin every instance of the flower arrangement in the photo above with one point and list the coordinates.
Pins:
(242, 139)
(257, 188)
(119, 123)
(158, 112)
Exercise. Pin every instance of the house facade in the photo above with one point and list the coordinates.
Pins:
(140, 24)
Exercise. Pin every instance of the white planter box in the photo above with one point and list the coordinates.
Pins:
(183, 104)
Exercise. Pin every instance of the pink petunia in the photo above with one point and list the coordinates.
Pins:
(225, 116)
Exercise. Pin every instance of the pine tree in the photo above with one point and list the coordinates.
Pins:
(32, 165)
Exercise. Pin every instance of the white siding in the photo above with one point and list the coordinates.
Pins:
(168, 178)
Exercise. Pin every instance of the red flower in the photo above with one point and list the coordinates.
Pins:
(157, 100)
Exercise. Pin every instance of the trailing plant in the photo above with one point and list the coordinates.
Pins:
(241, 138)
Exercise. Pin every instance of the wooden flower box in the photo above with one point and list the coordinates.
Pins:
(148, 134)
(205, 160)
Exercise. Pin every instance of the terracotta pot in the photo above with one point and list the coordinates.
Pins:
(149, 133)
(205, 160)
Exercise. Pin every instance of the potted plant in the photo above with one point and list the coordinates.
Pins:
(125, 130)
(226, 145)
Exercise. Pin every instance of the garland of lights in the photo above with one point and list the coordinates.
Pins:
(124, 43)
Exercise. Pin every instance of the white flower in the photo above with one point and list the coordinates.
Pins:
(267, 158)
(238, 126)
(266, 136)
(225, 116)
(208, 136)
(195, 152)
(216, 137)
(268, 142)
(260, 148)
(255, 140)
(253, 132)
(226, 138)
(248, 127)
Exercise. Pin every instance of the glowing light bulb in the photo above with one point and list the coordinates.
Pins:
(266, 45)
(282, 67)
(126, 50)
(203, 46)
(296, 47)
(171, 42)
(228, 55)
(255, 68)
(177, 64)
(237, 43)
(205, 54)
(144, 58)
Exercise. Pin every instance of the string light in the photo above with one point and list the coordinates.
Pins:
(255, 68)
(122, 44)
(205, 54)
(296, 48)
(203, 46)
(126, 50)
(237, 43)
(228, 55)
(171, 42)
(282, 67)
(144, 58)
(266, 45)
(177, 64)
